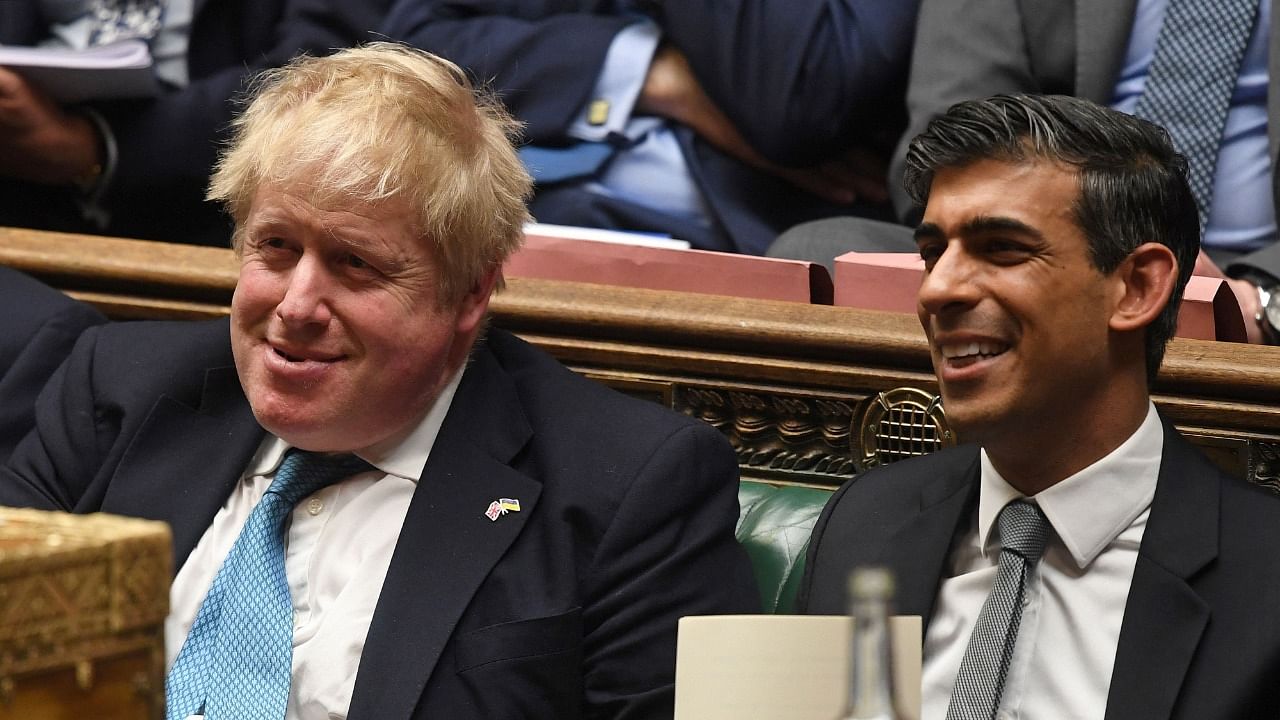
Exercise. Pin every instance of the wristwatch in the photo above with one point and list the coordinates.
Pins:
(1268, 286)
(1268, 315)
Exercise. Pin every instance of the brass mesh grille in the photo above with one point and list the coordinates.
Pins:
(902, 423)
(906, 431)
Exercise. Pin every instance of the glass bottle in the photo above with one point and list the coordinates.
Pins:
(870, 666)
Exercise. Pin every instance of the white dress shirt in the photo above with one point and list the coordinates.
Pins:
(337, 549)
(1066, 647)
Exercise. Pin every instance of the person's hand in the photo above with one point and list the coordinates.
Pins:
(1246, 295)
(39, 141)
(671, 90)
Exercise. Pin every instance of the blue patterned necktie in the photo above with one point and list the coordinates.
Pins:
(550, 165)
(236, 663)
(118, 20)
(980, 681)
(1192, 76)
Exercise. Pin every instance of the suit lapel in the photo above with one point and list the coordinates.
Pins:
(1102, 36)
(1164, 617)
(184, 461)
(448, 545)
(918, 551)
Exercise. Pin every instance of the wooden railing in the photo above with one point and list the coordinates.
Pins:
(808, 394)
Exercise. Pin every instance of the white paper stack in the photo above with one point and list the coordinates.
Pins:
(117, 70)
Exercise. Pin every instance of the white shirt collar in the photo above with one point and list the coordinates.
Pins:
(404, 458)
(1091, 508)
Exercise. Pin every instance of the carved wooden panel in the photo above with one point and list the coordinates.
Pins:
(801, 437)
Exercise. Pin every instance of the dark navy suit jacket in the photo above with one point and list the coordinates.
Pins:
(1200, 637)
(38, 327)
(802, 80)
(566, 609)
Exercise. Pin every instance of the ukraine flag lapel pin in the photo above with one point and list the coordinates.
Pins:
(501, 507)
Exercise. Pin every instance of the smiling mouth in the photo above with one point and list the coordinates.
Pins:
(965, 354)
(298, 359)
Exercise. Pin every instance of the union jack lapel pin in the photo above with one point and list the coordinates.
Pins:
(501, 507)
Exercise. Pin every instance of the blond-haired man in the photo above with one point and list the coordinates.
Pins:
(502, 539)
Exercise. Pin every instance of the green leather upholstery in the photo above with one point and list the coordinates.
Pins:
(774, 524)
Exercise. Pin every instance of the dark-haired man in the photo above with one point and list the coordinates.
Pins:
(1079, 559)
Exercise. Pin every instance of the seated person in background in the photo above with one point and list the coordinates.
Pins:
(139, 168)
(1199, 68)
(1079, 558)
(39, 325)
(502, 538)
(718, 123)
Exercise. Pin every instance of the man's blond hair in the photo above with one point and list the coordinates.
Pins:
(386, 122)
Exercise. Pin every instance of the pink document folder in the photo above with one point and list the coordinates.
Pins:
(661, 268)
(888, 281)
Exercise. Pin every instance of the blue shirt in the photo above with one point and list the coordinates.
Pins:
(649, 169)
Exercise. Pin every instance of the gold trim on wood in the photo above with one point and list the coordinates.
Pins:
(77, 594)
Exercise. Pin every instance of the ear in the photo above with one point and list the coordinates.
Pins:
(1144, 283)
(473, 306)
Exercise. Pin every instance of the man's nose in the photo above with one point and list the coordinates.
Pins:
(307, 294)
(950, 283)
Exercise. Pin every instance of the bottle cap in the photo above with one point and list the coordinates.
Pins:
(871, 583)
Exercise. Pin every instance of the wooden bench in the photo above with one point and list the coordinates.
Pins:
(807, 394)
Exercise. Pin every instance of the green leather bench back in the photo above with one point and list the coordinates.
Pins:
(774, 524)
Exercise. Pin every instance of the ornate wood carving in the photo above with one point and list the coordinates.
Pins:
(82, 606)
(1264, 465)
(801, 437)
(784, 435)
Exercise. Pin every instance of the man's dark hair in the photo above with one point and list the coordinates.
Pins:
(1133, 184)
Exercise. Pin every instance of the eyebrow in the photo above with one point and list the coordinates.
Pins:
(979, 225)
(390, 261)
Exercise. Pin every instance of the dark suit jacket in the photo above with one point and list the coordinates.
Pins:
(38, 327)
(1200, 637)
(565, 609)
(801, 79)
(168, 144)
(969, 49)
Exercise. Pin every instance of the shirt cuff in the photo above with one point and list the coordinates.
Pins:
(91, 206)
(621, 79)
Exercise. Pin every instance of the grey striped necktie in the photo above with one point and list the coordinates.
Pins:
(980, 681)
(1191, 78)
